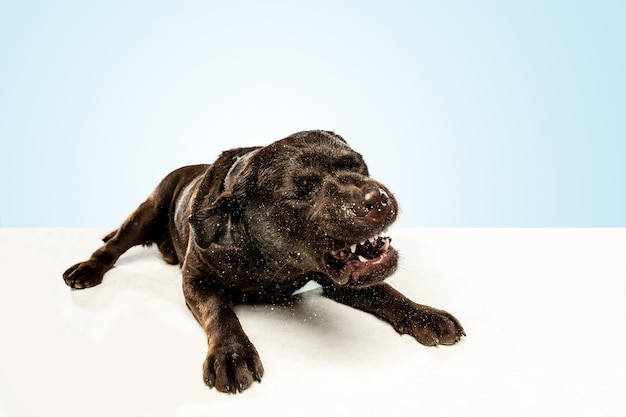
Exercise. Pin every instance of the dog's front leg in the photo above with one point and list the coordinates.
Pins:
(232, 363)
(428, 325)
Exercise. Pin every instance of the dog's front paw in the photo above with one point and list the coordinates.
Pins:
(233, 367)
(431, 327)
(84, 274)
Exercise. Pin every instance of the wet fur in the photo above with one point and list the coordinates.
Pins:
(258, 224)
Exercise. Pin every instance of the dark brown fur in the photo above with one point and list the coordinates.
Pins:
(258, 224)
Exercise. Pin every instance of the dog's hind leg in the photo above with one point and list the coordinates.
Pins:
(147, 224)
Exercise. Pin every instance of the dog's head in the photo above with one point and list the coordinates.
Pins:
(306, 201)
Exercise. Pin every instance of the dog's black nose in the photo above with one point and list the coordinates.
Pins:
(372, 204)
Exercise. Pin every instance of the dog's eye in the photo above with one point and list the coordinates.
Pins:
(307, 185)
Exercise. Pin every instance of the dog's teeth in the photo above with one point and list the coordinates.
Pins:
(334, 252)
(353, 248)
(363, 243)
(373, 239)
(386, 245)
(362, 259)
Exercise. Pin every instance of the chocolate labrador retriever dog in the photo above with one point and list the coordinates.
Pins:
(257, 225)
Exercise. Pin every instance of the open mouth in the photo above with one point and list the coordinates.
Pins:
(361, 264)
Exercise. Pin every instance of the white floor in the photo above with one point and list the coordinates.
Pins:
(544, 311)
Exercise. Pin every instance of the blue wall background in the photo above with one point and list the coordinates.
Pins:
(475, 113)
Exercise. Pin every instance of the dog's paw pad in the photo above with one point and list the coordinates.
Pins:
(433, 327)
(232, 368)
(84, 274)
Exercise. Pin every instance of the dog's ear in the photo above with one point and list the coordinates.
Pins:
(214, 224)
(214, 208)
